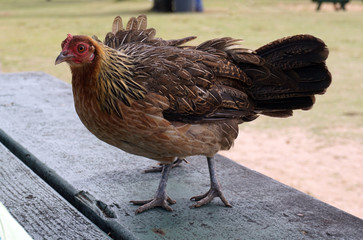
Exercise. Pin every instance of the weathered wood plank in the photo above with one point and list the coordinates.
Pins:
(37, 207)
(37, 111)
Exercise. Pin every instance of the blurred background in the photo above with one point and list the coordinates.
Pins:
(319, 152)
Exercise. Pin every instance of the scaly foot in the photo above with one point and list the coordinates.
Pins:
(214, 191)
(176, 163)
(208, 197)
(161, 199)
(156, 202)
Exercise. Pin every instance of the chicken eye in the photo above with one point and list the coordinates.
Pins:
(81, 48)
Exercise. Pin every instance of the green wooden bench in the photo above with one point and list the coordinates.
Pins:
(335, 2)
(73, 186)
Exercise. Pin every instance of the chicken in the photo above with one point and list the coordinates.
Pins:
(164, 100)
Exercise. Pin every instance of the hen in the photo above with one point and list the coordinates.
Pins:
(165, 101)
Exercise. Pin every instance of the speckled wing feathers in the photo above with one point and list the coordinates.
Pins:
(199, 86)
(219, 79)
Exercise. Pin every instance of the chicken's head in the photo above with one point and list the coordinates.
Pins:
(76, 50)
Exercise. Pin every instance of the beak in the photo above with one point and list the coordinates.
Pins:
(62, 57)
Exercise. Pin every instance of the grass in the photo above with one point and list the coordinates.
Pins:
(32, 30)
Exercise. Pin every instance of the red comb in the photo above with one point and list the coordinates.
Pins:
(67, 40)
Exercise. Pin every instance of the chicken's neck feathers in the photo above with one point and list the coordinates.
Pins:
(110, 79)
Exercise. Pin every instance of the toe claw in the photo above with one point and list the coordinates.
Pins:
(171, 201)
(142, 202)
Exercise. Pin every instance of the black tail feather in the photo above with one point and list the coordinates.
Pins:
(294, 72)
(294, 52)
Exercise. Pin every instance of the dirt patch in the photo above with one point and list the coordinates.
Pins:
(329, 172)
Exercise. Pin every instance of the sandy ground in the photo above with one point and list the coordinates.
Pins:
(330, 172)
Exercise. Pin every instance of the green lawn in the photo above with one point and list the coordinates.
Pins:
(32, 30)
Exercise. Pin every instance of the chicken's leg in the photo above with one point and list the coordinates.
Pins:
(214, 191)
(161, 199)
